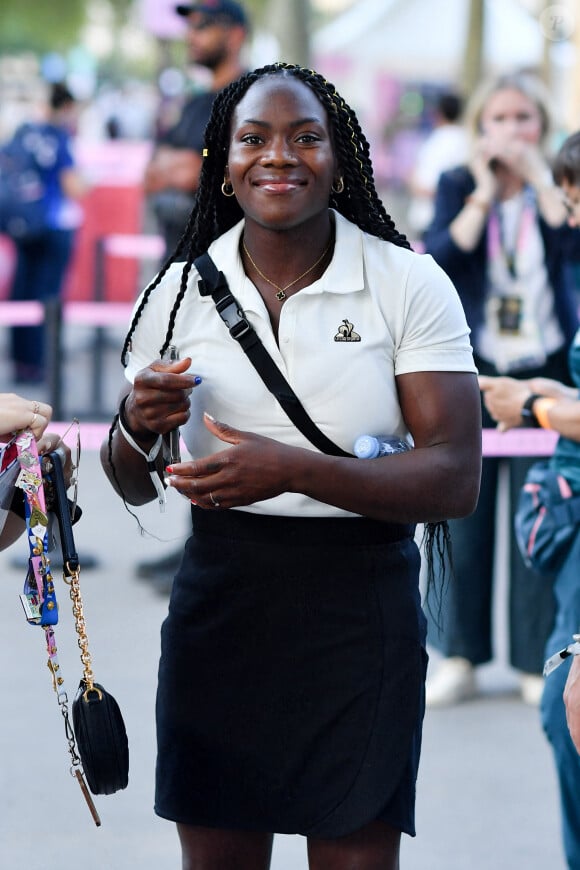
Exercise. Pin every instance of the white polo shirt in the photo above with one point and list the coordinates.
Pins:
(378, 311)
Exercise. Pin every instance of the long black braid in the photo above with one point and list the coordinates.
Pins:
(213, 214)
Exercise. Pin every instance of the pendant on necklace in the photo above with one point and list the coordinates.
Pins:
(280, 295)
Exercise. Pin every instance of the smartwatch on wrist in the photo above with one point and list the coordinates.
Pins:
(527, 412)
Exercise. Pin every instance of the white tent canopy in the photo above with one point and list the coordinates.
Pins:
(425, 39)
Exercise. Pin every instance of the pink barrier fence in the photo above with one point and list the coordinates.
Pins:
(84, 313)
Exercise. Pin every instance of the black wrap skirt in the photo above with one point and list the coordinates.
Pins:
(291, 680)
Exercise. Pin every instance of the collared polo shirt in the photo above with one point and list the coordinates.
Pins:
(377, 312)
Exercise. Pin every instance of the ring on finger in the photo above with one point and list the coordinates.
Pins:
(213, 500)
(33, 420)
(35, 407)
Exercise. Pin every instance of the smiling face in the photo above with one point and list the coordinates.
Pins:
(281, 160)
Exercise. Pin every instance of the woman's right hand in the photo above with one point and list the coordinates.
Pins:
(19, 413)
(481, 168)
(159, 399)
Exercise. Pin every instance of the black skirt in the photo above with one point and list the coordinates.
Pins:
(291, 680)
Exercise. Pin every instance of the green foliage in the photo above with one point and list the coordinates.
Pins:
(56, 25)
(40, 26)
(48, 25)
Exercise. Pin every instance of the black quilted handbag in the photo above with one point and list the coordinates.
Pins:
(101, 739)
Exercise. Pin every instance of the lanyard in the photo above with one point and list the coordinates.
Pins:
(497, 242)
(38, 597)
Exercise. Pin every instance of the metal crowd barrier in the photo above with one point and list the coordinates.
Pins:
(55, 315)
(97, 313)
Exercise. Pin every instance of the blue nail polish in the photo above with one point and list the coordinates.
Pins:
(197, 380)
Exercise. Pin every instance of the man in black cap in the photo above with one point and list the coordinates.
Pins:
(216, 33)
(217, 30)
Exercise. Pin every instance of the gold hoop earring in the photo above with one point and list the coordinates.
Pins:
(338, 185)
(227, 188)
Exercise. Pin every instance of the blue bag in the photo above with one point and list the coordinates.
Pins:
(23, 201)
(546, 519)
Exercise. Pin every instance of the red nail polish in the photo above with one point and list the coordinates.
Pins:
(169, 469)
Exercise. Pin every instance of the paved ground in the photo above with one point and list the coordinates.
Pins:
(487, 791)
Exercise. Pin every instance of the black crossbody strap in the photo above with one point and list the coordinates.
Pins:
(213, 283)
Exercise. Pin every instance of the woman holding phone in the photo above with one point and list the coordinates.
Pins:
(500, 233)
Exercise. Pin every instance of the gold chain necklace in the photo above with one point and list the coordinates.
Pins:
(281, 294)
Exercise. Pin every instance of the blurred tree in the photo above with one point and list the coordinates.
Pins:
(58, 26)
(41, 27)
(473, 57)
(53, 26)
(121, 10)
(289, 22)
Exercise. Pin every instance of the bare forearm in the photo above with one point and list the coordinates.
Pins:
(73, 184)
(469, 224)
(564, 418)
(549, 196)
(173, 168)
(551, 205)
(423, 485)
(554, 389)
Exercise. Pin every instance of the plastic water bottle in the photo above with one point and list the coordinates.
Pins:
(371, 446)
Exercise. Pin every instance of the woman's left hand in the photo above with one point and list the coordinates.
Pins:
(253, 469)
(527, 161)
(50, 442)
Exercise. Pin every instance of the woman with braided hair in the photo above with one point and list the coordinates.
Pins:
(291, 681)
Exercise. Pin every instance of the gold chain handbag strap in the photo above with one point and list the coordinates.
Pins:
(77, 608)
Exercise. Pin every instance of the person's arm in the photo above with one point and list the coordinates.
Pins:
(456, 199)
(176, 168)
(16, 413)
(528, 161)
(157, 402)
(468, 226)
(438, 479)
(73, 184)
(572, 701)
(505, 397)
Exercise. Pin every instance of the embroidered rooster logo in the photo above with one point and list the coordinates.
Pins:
(346, 332)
